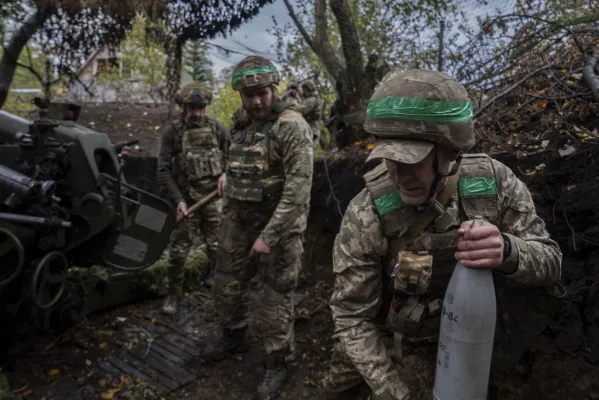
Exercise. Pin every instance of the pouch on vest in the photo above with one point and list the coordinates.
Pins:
(412, 273)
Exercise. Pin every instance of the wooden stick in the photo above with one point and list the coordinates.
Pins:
(206, 199)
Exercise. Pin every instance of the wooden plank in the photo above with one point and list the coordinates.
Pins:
(109, 368)
(173, 349)
(183, 339)
(156, 376)
(156, 347)
(175, 340)
(163, 366)
(127, 369)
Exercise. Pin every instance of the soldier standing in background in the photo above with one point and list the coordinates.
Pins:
(269, 177)
(191, 164)
(311, 109)
(292, 94)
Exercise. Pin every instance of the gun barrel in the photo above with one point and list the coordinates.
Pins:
(29, 220)
(11, 125)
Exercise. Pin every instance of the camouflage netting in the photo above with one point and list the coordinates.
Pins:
(152, 281)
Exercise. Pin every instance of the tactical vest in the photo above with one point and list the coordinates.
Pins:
(201, 157)
(477, 195)
(252, 176)
(316, 113)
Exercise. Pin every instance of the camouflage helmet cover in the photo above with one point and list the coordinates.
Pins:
(309, 86)
(254, 71)
(411, 111)
(194, 93)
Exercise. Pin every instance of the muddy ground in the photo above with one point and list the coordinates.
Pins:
(563, 364)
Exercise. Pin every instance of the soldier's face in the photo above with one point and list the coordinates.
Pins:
(258, 101)
(194, 114)
(414, 181)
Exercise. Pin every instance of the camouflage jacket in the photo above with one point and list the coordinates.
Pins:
(172, 178)
(362, 244)
(288, 148)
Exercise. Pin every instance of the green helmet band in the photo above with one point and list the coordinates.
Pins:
(414, 109)
(239, 75)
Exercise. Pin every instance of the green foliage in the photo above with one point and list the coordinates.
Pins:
(141, 68)
(225, 102)
(197, 63)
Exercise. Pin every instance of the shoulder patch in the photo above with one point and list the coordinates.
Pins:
(477, 186)
(388, 203)
(376, 172)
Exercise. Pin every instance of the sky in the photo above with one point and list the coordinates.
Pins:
(252, 34)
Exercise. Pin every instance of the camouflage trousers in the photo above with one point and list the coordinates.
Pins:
(417, 371)
(205, 220)
(279, 272)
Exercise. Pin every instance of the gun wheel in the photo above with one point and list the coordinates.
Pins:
(49, 280)
(12, 257)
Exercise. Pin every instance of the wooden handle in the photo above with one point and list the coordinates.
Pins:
(477, 221)
(199, 204)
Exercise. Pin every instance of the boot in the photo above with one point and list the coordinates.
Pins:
(171, 305)
(275, 376)
(230, 342)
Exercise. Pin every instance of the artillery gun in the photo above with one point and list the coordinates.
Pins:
(64, 203)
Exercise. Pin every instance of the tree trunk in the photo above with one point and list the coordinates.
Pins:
(8, 64)
(174, 62)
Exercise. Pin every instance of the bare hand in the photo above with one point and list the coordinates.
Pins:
(259, 247)
(222, 182)
(181, 210)
(480, 247)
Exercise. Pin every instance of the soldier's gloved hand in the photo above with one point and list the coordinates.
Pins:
(222, 182)
(181, 209)
(481, 246)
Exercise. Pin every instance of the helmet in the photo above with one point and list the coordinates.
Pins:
(411, 111)
(254, 71)
(309, 86)
(292, 85)
(193, 94)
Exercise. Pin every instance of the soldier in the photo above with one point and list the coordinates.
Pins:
(416, 214)
(311, 109)
(267, 197)
(292, 94)
(191, 164)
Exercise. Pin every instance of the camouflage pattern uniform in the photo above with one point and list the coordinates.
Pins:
(192, 157)
(267, 196)
(311, 109)
(363, 263)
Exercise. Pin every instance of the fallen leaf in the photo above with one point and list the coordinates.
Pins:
(153, 321)
(570, 188)
(103, 345)
(370, 146)
(88, 362)
(53, 372)
(27, 393)
(545, 143)
(157, 127)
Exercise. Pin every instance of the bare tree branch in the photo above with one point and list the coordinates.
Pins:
(350, 42)
(323, 44)
(32, 70)
(509, 89)
(299, 25)
(12, 51)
